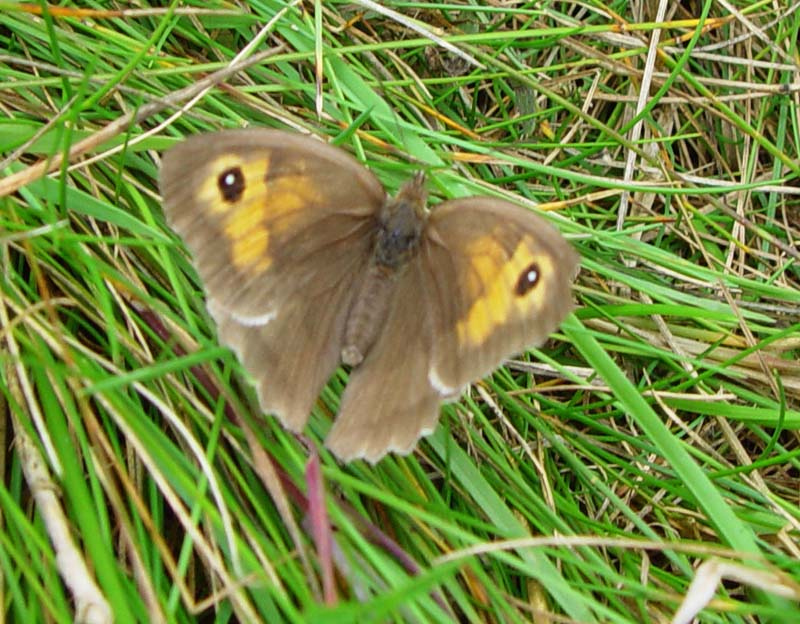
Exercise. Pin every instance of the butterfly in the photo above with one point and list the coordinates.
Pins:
(308, 264)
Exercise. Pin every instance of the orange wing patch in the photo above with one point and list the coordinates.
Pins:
(492, 286)
(249, 238)
(267, 205)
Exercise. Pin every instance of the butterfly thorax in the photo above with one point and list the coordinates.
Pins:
(397, 238)
(400, 225)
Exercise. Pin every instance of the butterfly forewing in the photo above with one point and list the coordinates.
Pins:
(269, 215)
(496, 281)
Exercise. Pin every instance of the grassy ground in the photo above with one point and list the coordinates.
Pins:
(649, 450)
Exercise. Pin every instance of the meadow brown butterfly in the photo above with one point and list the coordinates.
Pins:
(308, 264)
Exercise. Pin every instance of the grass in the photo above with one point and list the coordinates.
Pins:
(647, 454)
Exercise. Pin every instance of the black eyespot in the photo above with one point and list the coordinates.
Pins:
(528, 279)
(231, 184)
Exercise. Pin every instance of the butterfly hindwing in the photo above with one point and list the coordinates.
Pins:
(388, 402)
(292, 356)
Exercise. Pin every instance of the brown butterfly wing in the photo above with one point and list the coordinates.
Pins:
(280, 227)
(293, 356)
(497, 278)
(269, 214)
(389, 402)
(458, 310)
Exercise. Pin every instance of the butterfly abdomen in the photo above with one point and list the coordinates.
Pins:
(368, 312)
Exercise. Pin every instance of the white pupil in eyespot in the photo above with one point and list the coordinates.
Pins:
(533, 275)
(229, 179)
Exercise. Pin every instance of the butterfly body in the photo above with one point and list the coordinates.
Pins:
(396, 241)
(307, 264)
